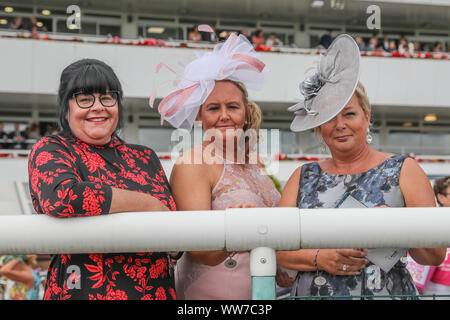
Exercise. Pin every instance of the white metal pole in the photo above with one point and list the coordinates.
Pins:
(375, 228)
(263, 269)
(233, 230)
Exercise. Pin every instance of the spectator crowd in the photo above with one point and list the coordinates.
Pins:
(23, 139)
(375, 46)
(388, 46)
(257, 38)
(32, 25)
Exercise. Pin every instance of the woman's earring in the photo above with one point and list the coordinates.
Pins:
(323, 145)
(369, 136)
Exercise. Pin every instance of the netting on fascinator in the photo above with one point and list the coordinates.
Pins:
(235, 60)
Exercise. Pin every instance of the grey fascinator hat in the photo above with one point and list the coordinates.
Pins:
(328, 91)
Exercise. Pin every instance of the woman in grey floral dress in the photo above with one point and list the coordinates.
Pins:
(375, 179)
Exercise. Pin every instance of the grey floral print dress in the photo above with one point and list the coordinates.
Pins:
(375, 187)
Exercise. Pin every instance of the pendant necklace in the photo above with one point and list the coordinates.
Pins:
(319, 280)
(230, 262)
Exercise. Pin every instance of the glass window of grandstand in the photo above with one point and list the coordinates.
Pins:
(44, 25)
(285, 39)
(160, 32)
(159, 139)
(110, 30)
(88, 28)
(6, 22)
(288, 142)
(85, 27)
(25, 24)
(419, 143)
(273, 141)
(436, 143)
(10, 12)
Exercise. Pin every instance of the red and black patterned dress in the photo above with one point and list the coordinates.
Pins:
(69, 178)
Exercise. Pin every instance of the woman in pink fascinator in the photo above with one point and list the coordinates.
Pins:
(224, 170)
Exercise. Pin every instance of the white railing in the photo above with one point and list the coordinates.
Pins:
(231, 229)
(258, 230)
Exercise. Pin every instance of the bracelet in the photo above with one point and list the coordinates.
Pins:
(315, 260)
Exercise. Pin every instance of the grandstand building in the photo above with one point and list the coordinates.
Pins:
(409, 91)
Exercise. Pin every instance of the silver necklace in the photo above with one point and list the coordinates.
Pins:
(319, 280)
(230, 262)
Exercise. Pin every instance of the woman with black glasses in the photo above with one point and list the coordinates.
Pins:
(87, 170)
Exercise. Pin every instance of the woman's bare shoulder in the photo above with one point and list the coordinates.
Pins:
(191, 164)
(290, 191)
(191, 156)
(384, 155)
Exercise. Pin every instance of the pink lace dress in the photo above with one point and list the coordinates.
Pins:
(239, 184)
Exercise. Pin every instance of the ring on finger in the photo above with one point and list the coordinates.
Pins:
(344, 267)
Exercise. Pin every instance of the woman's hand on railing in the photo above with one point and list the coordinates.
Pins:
(343, 262)
(283, 279)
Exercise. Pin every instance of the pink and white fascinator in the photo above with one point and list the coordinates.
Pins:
(235, 59)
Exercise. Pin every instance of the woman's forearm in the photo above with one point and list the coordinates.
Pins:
(131, 201)
(10, 272)
(428, 256)
(302, 260)
(10, 265)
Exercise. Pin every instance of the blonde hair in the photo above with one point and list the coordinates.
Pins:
(31, 260)
(364, 102)
(253, 116)
(252, 110)
(363, 99)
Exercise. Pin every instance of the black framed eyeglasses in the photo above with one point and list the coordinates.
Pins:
(87, 100)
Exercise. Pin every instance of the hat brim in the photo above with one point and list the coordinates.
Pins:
(333, 96)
